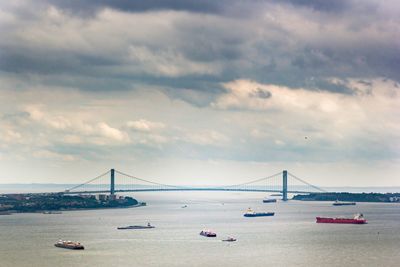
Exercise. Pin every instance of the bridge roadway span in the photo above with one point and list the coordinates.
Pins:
(157, 187)
(183, 189)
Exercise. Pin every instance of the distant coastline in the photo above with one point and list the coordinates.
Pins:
(354, 197)
(29, 202)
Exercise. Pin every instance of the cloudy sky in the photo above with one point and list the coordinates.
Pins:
(200, 92)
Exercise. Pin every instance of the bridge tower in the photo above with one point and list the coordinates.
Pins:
(112, 183)
(284, 185)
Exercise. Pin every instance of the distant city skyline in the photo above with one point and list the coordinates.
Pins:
(200, 92)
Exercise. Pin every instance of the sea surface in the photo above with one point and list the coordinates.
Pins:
(290, 238)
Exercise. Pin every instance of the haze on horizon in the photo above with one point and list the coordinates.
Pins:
(200, 92)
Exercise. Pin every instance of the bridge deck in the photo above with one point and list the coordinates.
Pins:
(185, 189)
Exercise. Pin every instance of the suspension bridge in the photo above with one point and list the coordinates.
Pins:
(114, 181)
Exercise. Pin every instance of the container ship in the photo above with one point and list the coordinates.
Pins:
(358, 219)
(251, 213)
(69, 244)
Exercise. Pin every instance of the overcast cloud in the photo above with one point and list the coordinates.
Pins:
(200, 91)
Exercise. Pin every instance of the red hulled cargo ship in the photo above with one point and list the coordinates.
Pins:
(358, 219)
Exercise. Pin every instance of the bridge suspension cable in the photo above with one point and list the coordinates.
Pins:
(255, 181)
(267, 184)
(150, 182)
(87, 182)
(304, 182)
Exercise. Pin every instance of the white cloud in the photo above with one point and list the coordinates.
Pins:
(145, 125)
(206, 137)
(77, 130)
(246, 94)
(72, 139)
(46, 154)
(10, 136)
(343, 122)
(112, 133)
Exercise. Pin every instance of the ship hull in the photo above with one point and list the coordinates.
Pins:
(70, 247)
(263, 214)
(208, 235)
(269, 200)
(344, 204)
(135, 227)
(341, 220)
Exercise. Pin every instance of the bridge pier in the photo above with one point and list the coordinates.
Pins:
(112, 183)
(284, 185)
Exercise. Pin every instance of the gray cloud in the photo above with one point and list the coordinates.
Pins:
(240, 81)
(205, 6)
(260, 93)
(87, 7)
(328, 6)
(197, 52)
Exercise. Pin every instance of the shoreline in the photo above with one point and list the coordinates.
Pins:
(55, 212)
(54, 203)
(350, 197)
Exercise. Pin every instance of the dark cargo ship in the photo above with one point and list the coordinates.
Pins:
(340, 203)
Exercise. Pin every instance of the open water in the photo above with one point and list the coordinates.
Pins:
(290, 238)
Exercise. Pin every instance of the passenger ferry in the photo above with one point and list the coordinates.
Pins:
(208, 233)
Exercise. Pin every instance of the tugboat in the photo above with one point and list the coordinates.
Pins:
(229, 239)
(340, 203)
(208, 233)
(148, 226)
(358, 219)
(269, 200)
(68, 244)
(251, 213)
